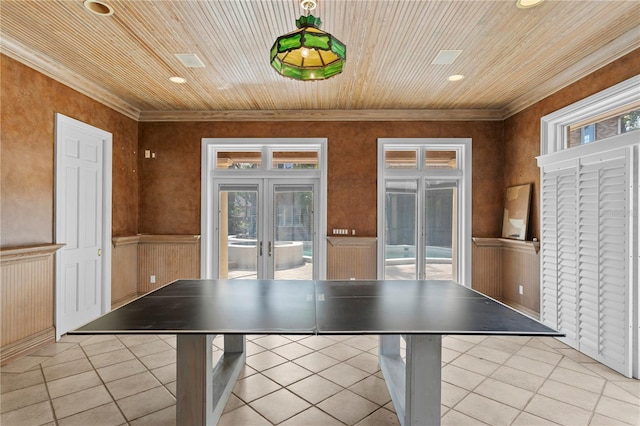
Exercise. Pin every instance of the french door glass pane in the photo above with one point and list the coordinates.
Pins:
(401, 230)
(238, 234)
(440, 230)
(293, 225)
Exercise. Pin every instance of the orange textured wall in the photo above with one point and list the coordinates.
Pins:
(169, 198)
(27, 121)
(170, 184)
(522, 131)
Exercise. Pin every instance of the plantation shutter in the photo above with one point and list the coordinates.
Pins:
(603, 242)
(585, 254)
(558, 256)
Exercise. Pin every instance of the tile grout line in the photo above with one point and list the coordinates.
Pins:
(149, 371)
(347, 388)
(547, 378)
(315, 405)
(104, 384)
(469, 392)
(312, 374)
(487, 377)
(533, 393)
(46, 386)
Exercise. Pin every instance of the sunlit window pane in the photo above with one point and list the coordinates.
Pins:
(441, 159)
(295, 160)
(401, 159)
(603, 127)
(245, 160)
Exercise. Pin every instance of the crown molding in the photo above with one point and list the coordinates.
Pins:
(56, 71)
(326, 115)
(618, 47)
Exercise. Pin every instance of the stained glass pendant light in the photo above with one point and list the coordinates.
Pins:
(308, 53)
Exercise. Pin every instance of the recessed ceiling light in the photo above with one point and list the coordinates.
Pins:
(178, 80)
(98, 7)
(446, 57)
(525, 4)
(455, 77)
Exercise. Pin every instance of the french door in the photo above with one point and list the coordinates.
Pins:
(424, 209)
(266, 228)
(421, 228)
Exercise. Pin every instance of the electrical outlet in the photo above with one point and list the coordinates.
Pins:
(520, 289)
(152, 279)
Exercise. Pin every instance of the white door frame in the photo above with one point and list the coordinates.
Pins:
(208, 170)
(107, 155)
(462, 174)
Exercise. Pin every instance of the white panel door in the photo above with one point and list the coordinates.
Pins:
(79, 223)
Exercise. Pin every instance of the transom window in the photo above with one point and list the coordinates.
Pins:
(598, 118)
(432, 158)
(603, 127)
(249, 158)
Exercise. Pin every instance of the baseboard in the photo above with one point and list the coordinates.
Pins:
(27, 345)
(124, 300)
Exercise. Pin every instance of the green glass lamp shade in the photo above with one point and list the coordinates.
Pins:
(308, 53)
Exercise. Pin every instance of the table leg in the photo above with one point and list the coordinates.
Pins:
(414, 386)
(203, 389)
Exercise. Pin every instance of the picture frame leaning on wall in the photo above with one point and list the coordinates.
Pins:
(515, 221)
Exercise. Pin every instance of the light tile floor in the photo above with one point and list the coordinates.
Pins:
(317, 380)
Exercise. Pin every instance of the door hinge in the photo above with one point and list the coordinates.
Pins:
(99, 252)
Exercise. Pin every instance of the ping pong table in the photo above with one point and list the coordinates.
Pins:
(420, 311)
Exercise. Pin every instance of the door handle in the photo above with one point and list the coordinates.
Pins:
(269, 248)
(260, 248)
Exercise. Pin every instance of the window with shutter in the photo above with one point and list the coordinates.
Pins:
(586, 260)
(590, 244)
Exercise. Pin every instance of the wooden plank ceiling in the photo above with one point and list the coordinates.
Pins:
(511, 57)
